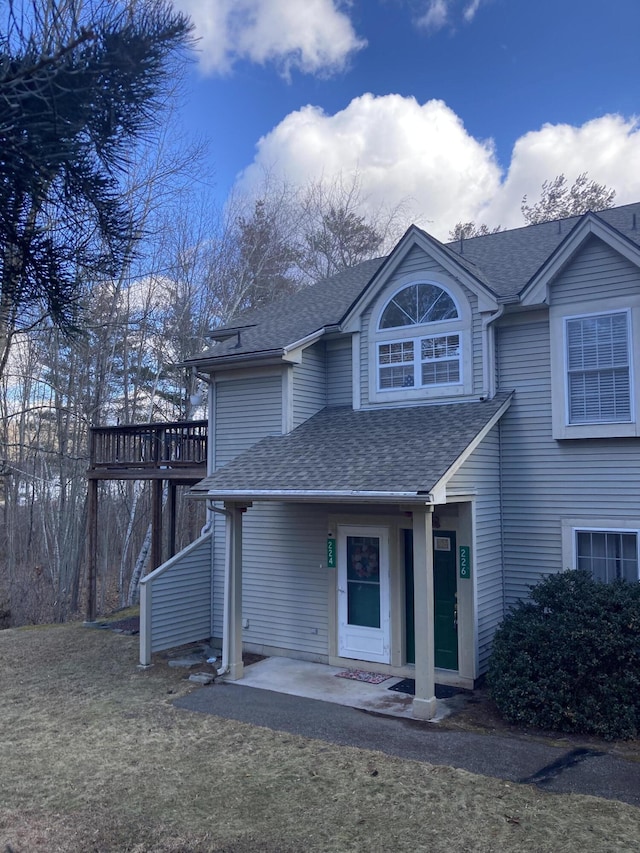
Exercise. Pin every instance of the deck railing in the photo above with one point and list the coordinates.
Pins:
(180, 444)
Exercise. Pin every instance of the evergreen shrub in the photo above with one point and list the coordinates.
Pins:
(569, 657)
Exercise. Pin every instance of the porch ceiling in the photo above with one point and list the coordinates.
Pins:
(393, 455)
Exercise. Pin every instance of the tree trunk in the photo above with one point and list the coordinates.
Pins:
(138, 571)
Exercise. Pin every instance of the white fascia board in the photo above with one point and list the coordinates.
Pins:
(315, 496)
(537, 290)
(246, 359)
(487, 301)
(440, 488)
(293, 352)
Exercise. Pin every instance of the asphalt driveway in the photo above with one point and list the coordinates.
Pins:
(520, 760)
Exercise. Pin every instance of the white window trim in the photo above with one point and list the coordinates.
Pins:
(572, 526)
(461, 326)
(558, 317)
(417, 361)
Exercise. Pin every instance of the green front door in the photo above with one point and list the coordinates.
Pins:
(445, 599)
(410, 634)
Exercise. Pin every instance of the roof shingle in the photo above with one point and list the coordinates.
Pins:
(505, 262)
(403, 451)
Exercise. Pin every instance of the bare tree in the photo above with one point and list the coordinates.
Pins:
(338, 229)
(55, 387)
(467, 230)
(558, 200)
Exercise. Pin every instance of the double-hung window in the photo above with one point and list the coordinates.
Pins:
(598, 368)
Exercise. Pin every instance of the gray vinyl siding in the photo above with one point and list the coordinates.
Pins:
(181, 598)
(246, 410)
(339, 372)
(309, 384)
(219, 556)
(596, 272)
(476, 331)
(365, 366)
(418, 263)
(532, 542)
(480, 475)
(284, 594)
(543, 480)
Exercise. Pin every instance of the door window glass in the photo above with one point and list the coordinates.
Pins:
(363, 581)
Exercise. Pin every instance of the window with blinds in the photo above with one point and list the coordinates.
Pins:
(598, 374)
(608, 554)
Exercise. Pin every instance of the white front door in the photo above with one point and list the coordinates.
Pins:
(363, 593)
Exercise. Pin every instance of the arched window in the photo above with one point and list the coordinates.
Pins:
(416, 305)
(422, 357)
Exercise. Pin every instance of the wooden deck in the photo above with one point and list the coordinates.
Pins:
(163, 451)
(172, 453)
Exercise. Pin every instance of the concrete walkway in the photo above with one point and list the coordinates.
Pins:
(521, 760)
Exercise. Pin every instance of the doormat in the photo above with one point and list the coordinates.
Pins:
(408, 685)
(363, 675)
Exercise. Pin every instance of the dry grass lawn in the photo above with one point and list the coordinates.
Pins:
(94, 757)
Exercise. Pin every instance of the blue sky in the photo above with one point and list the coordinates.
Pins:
(458, 107)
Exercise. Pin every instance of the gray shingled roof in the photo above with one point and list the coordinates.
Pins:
(505, 262)
(403, 451)
(293, 317)
(508, 260)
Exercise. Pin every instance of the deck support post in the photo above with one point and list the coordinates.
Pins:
(92, 549)
(171, 512)
(424, 703)
(156, 524)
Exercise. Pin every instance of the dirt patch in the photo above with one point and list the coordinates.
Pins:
(131, 625)
(95, 757)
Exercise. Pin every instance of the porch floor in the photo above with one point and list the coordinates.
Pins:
(318, 681)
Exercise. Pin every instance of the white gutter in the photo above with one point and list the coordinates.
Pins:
(302, 343)
(488, 353)
(314, 495)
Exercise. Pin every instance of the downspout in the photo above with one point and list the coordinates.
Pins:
(489, 379)
(223, 669)
(488, 354)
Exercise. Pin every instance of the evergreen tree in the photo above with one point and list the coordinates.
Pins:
(80, 85)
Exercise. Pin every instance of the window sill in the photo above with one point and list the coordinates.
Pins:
(577, 431)
(398, 395)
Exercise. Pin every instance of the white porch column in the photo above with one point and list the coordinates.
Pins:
(233, 596)
(424, 703)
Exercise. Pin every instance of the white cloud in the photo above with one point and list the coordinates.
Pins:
(435, 17)
(403, 150)
(442, 13)
(608, 148)
(313, 36)
(470, 10)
